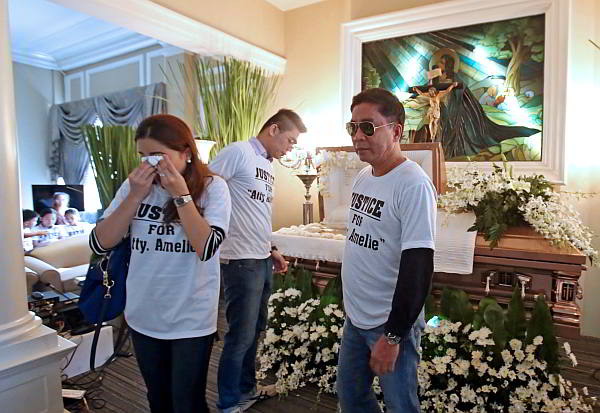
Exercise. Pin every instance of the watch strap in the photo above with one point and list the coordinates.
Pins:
(180, 201)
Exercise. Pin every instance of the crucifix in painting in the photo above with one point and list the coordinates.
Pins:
(434, 96)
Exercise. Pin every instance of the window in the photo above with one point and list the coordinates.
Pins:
(90, 190)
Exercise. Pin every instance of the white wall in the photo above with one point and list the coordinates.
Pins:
(118, 73)
(34, 94)
(582, 142)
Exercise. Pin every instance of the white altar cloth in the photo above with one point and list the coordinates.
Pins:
(454, 245)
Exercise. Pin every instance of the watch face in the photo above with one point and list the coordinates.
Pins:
(182, 200)
(392, 339)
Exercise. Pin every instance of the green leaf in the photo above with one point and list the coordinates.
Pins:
(430, 307)
(230, 97)
(334, 290)
(516, 323)
(456, 306)
(484, 302)
(508, 145)
(304, 284)
(540, 324)
(494, 318)
(113, 155)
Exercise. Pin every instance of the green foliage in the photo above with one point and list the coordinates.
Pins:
(455, 305)
(505, 325)
(371, 78)
(113, 156)
(304, 284)
(516, 323)
(300, 279)
(494, 319)
(499, 210)
(234, 94)
(540, 324)
(332, 293)
(431, 308)
(511, 150)
(478, 321)
(502, 38)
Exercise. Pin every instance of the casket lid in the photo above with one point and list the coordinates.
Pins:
(524, 243)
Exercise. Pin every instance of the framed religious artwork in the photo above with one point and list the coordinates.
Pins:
(485, 79)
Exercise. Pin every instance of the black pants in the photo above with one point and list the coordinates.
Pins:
(175, 372)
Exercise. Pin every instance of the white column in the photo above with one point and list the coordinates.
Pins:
(14, 317)
(29, 352)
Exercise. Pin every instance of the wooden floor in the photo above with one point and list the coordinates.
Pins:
(122, 389)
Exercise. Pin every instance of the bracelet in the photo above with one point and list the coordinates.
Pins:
(274, 248)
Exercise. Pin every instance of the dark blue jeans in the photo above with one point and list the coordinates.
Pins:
(355, 377)
(174, 371)
(247, 287)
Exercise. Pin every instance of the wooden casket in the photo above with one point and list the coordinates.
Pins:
(522, 258)
(525, 260)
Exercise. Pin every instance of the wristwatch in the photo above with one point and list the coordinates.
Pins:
(392, 339)
(180, 201)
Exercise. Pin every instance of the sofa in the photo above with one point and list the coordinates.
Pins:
(62, 264)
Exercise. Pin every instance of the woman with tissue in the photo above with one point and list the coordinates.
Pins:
(177, 213)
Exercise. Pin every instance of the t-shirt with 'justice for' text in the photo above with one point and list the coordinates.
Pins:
(388, 214)
(250, 180)
(171, 293)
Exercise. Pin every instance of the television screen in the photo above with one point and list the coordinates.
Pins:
(43, 195)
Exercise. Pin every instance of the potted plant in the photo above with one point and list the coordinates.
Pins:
(233, 97)
(113, 156)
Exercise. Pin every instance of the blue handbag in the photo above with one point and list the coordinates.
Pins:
(102, 296)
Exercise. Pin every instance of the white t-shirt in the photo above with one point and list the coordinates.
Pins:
(81, 228)
(27, 242)
(54, 233)
(388, 214)
(250, 180)
(171, 293)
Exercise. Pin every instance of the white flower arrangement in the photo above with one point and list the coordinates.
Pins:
(335, 159)
(460, 372)
(460, 369)
(499, 201)
(302, 342)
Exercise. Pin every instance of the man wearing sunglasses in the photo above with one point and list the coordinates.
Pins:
(388, 262)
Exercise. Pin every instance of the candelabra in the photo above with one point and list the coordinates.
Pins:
(307, 208)
(302, 161)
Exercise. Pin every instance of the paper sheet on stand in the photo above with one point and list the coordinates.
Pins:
(454, 245)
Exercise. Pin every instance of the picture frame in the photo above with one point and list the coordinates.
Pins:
(459, 13)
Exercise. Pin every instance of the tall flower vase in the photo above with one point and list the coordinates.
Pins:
(204, 146)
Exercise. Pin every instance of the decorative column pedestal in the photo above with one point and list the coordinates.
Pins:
(30, 352)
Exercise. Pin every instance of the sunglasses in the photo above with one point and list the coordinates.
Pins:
(368, 128)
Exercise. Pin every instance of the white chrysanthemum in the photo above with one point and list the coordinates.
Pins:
(515, 344)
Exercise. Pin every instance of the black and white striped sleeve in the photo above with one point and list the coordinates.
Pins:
(95, 244)
(216, 237)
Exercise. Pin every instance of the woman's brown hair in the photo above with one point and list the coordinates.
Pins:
(175, 134)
